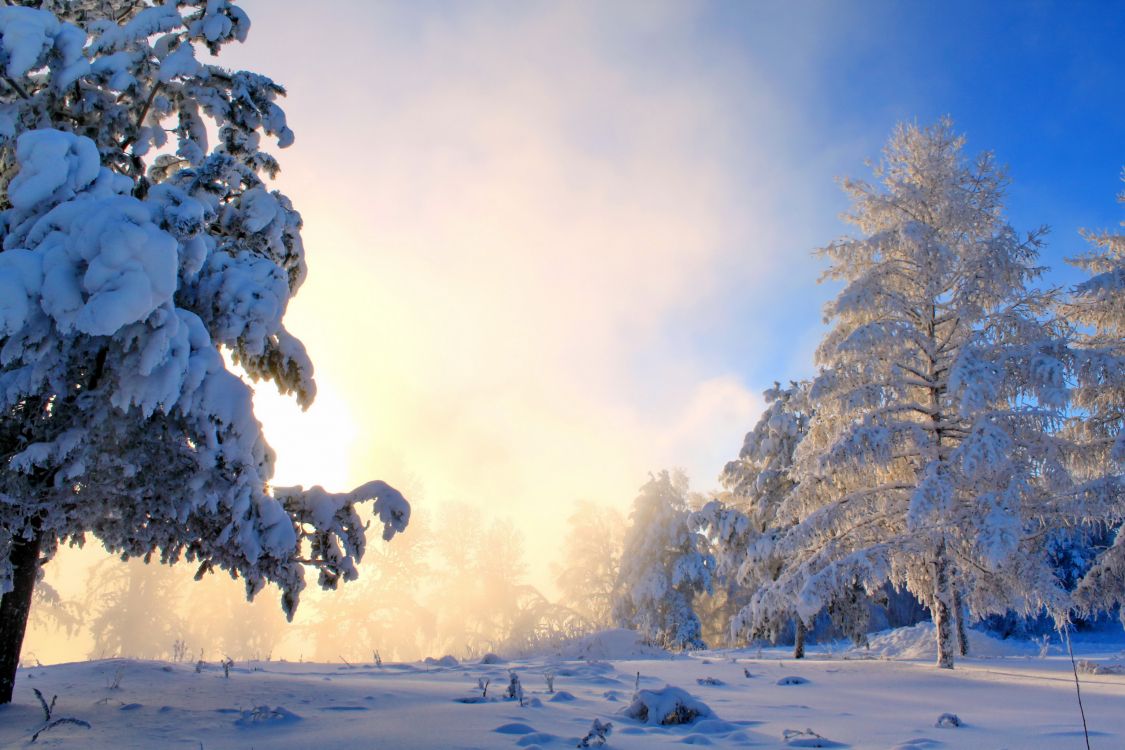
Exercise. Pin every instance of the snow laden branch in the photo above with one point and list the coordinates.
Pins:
(330, 525)
(140, 243)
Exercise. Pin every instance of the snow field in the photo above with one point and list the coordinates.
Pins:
(1002, 702)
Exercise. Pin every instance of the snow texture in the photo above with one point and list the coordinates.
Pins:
(1025, 702)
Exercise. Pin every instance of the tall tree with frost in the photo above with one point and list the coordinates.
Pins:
(663, 567)
(932, 460)
(134, 251)
(1098, 306)
(591, 559)
(744, 525)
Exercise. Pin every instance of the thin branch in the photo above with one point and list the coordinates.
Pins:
(18, 89)
(140, 120)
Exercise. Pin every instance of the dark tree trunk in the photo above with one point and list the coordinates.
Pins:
(959, 618)
(14, 609)
(799, 633)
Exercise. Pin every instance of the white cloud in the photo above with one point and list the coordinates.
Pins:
(506, 211)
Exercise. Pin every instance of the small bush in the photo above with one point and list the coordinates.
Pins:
(671, 705)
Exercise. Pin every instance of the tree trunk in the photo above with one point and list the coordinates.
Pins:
(942, 611)
(799, 639)
(15, 606)
(959, 618)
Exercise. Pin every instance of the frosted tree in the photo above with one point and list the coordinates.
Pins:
(1097, 306)
(745, 525)
(591, 559)
(139, 242)
(134, 610)
(932, 461)
(663, 567)
(759, 480)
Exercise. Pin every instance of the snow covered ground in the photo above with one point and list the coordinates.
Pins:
(1009, 697)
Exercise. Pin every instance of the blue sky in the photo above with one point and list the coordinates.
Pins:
(554, 246)
(1040, 84)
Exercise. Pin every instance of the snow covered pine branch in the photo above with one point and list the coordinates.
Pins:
(134, 251)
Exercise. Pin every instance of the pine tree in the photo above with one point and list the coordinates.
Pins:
(932, 461)
(663, 567)
(1097, 306)
(134, 251)
(592, 554)
(745, 524)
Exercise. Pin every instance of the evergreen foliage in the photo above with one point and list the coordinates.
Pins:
(139, 242)
(1097, 308)
(663, 566)
(932, 460)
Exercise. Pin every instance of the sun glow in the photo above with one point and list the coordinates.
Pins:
(312, 446)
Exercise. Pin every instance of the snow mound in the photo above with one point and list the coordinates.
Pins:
(792, 680)
(918, 642)
(266, 716)
(618, 643)
(446, 661)
(670, 705)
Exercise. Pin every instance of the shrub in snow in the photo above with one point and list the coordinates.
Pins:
(140, 240)
(948, 721)
(49, 720)
(792, 680)
(598, 735)
(515, 687)
(663, 566)
(266, 716)
(670, 705)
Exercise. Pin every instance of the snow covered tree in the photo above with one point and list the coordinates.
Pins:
(139, 242)
(591, 559)
(134, 610)
(663, 566)
(742, 524)
(932, 461)
(1097, 305)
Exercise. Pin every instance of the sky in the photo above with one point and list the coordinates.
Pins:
(556, 246)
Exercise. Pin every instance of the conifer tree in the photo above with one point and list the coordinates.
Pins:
(932, 460)
(1097, 308)
(139, 241)
(592, 555)
(745, 524)
(663, 567)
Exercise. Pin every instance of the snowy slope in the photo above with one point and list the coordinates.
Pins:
(1013, 702)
